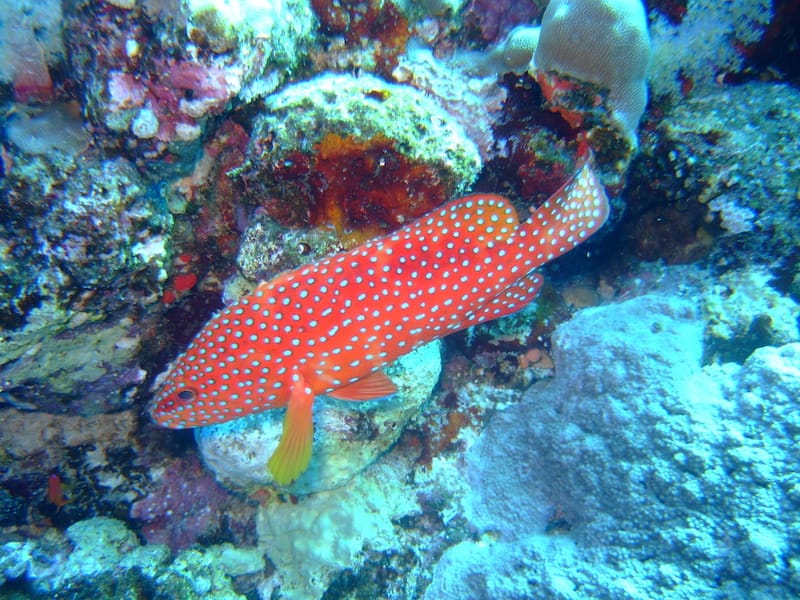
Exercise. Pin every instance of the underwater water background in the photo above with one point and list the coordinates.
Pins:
(621, 423)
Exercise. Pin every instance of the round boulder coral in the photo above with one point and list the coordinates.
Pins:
(356, 153)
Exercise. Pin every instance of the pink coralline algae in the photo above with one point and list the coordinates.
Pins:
(172, 102)
(186, 506)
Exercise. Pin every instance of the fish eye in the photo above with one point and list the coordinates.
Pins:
(186, 394)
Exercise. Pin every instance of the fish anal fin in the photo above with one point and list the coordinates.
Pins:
(515, 297)
(293, 453)
(375, 385)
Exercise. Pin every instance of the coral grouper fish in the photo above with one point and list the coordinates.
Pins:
(329, 327)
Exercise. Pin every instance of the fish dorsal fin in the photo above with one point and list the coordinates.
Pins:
(282, 278)
(515, 297)
(375, 385)
(482, 217)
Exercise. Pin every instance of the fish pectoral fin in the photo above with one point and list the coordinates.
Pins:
(293, 453)
(375, 385)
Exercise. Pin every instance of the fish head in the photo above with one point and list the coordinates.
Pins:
(224, 374)
(184, 399)
(194, 394)
(175, 404)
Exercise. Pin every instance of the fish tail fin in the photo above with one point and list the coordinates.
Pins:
(293, 453)
(576, 211)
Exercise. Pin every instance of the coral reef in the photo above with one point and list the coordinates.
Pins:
(537, 148)
(184, 507)
(494, 19)
(207, 204)
(268, 248)
(158, 158)
(42, 152)
(744, 312)
(67, 257)
(712, 174)
(706, 41)
(267, 38)
(263, 41)
(513, 54)
(208, 57)
(100, 556)
(311, 540)
(59, 468)
(378, 29)
(81, 366)
(169, 107)
(473, 102)
(596, 90)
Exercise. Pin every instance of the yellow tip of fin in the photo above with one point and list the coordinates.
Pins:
(293, 453)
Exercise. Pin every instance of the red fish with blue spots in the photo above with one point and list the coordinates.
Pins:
(329, 327)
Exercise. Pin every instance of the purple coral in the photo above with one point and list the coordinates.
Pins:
(186, 506)
(495, 18)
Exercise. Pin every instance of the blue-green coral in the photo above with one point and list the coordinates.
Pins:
(101, 557)
(705, 44)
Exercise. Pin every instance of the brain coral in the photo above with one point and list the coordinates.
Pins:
(604, 42)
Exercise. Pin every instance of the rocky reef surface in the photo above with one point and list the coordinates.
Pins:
(642, 472)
